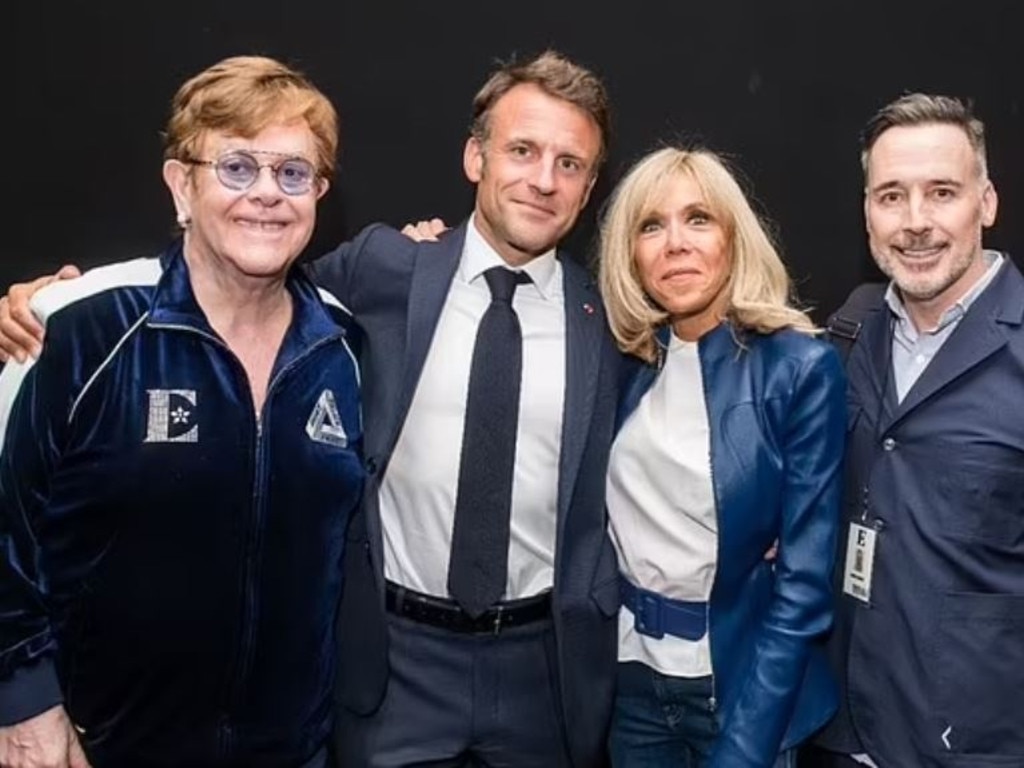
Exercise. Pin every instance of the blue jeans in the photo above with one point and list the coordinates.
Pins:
(662, 721)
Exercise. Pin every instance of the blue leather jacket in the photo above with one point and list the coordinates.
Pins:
(777, 415)
(169, 561)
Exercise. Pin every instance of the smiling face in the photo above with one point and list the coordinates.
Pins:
(927, 201)
(252, 234)
(534, 172)
(683, 258)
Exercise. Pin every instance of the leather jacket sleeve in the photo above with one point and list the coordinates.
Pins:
(801, 607)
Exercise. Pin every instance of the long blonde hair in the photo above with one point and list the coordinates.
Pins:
(760, 297)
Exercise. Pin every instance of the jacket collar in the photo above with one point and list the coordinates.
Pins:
(638, 376)
(981, 333)
(174, 305)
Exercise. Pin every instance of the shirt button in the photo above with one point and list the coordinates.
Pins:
(888, 444)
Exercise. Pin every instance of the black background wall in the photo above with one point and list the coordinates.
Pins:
(782, 87)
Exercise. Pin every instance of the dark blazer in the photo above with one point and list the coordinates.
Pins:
(396, 288)
(932, 666)
(776, 415)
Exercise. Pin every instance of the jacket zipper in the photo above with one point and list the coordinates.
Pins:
(247, 645)
(247, 623)
(713, 699)
(662, 355)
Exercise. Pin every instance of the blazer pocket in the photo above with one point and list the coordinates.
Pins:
(979, 673)
(985, 502)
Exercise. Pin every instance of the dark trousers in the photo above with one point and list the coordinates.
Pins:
(662, 721)
(462, 700)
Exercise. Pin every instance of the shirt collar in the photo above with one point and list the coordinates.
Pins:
(478, 256)
(993, 259)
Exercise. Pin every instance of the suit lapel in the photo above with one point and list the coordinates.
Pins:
(584, 340)
(977, 337)
(433, 270)
(869, 363)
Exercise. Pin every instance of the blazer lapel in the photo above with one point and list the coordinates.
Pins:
(977, 337)
(869, 363)
(584, 341)
(433, 270)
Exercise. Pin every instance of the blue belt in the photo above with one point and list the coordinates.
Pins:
(657, 616)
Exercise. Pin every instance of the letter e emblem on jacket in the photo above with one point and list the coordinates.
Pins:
(172, 416)
(324, 423)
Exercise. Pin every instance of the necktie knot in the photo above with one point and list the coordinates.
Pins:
(503, 282)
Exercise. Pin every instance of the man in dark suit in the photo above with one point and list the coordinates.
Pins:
(479, 616)
(525, 679)
(929, 636)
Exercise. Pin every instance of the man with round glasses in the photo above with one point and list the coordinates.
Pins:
(239, 169)
(178, 467)
(458, 566)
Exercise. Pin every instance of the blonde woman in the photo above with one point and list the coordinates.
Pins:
(730, 439)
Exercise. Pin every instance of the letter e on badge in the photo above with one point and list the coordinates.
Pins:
(860, 562)
(172, 416)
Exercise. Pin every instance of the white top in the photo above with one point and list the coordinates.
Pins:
(661, 508)
(417, 496)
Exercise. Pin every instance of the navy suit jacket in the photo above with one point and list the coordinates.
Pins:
(396, 288)
(933, 666)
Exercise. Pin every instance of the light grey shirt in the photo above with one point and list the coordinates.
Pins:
(913, 350)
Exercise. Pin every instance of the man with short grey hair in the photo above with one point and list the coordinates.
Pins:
(929, 635)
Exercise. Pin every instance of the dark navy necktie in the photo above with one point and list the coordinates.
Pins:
(478, 569)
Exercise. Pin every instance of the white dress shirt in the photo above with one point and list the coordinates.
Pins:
(417, 496)
(661, 508)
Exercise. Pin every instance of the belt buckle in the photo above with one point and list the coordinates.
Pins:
(499, 613)
(648, 616)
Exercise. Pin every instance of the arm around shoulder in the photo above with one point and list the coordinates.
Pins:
(21, 333)
(336, 270)
(33, 397)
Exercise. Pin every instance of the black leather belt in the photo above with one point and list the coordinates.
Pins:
(444, 613)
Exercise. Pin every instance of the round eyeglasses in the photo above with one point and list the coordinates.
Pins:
(239, 169)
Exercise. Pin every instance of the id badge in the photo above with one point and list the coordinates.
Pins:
(860, 562)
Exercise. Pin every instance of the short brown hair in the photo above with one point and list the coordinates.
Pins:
(243, 95)
(925, 109)
(554, 74)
